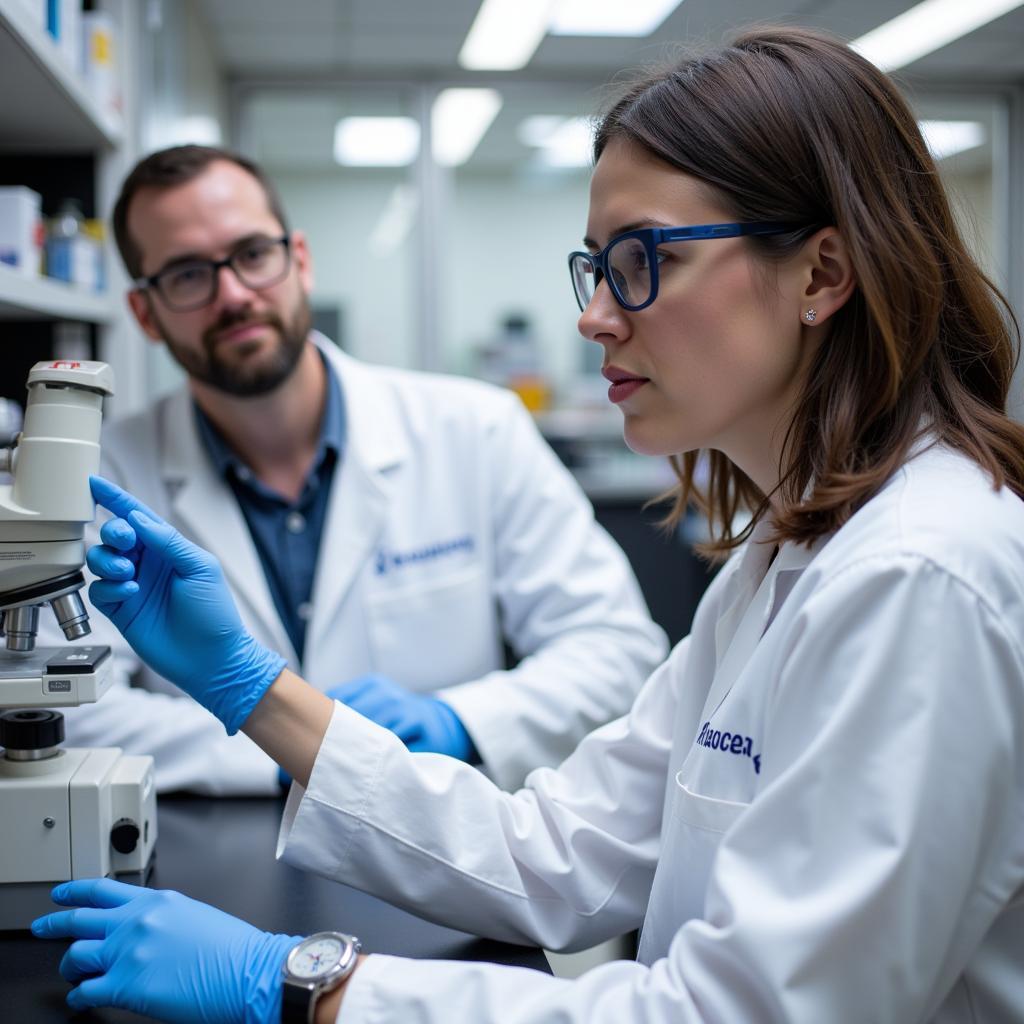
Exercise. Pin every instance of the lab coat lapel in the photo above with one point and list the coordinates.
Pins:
(358, 505)
(744, 584)
(762, 592)
(206, 510)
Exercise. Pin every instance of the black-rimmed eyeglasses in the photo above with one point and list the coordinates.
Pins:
(190, 284)
(630, 260)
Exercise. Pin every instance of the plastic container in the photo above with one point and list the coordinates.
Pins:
(96, 232)
(99, 59)
(64, 23)
(21, 229)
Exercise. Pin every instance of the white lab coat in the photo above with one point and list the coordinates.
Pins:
(815, 807)
(450, 524)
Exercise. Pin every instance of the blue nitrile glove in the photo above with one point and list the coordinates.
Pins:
(169, 599)
(159, 953)
(421, 722)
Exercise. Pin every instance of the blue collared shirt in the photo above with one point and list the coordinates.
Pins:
(286, 534)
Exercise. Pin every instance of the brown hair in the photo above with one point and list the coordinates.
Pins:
(791, 125)
(167, 168)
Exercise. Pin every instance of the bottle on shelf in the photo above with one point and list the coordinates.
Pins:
(71, 251)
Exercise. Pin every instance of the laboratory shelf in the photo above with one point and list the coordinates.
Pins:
(46, 107)
(42, 298)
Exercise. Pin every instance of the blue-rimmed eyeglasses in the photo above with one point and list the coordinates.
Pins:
(190, 284)
(630, 260)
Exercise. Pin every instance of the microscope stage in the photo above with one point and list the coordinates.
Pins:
(54, 677)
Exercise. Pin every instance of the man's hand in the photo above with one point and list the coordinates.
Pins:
(420, 721)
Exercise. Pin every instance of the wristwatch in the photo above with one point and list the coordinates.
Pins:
(317, 964)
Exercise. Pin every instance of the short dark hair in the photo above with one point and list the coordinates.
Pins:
(792, 125)
(168, 168)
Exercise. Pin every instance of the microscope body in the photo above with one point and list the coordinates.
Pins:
(64, 813)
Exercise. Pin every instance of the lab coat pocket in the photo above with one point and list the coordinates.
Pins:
(691, 834)
(705, 812)
(436, 632)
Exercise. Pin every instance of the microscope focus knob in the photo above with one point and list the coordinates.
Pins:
(124, 835)
(31, 730)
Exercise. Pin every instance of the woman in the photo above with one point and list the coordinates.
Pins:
(814, 806)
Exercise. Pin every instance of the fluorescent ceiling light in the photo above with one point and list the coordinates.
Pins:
(947, 138)
(561, 141)
(376, 141)
(927, 27)
(458, 121)
(505, 34)
(395, 222)
(610, 17)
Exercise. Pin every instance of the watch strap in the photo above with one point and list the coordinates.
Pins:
(297, 1003)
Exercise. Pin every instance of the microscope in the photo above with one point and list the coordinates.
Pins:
(64, 813)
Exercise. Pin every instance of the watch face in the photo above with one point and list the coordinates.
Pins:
(315, 957)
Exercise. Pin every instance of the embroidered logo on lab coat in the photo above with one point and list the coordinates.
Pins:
(729, 743)
(388, 561)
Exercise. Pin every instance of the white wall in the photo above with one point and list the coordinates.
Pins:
(204, 103)
(375, 291)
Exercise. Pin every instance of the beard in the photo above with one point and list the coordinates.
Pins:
(242, 370)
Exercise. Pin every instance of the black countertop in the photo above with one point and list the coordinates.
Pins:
(222, 852)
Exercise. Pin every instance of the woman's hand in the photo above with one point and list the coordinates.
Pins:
(169, 599)
(159, 953)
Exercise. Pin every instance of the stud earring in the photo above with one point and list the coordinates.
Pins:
(811, 315)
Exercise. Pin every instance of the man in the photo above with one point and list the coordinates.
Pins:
(385, 530)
